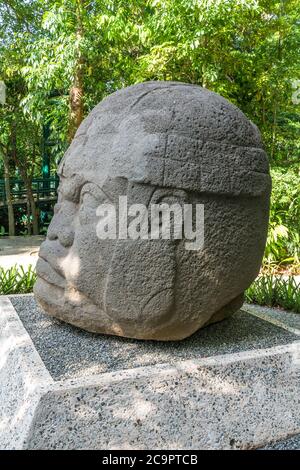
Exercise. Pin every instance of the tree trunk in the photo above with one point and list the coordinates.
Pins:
(29, 231)
(274, 131)
(33, 208)
(76, 90)
(10, 207)
(31, 204)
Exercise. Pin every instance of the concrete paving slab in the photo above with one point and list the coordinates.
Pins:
(19, 250)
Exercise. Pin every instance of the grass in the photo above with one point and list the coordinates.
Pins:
(17, 280)
(275, 291)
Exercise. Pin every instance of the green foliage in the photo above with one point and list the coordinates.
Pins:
(283, 243)
(108, 44)
(17, 280)
(275, 291)
(245, 50)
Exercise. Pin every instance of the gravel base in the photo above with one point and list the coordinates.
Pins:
(70, 352)
(292, 443)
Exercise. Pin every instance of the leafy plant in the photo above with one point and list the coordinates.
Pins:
(2, 231)
(17, 280)
(275, 291)
(283, 243)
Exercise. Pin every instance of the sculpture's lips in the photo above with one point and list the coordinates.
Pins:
(45, 271)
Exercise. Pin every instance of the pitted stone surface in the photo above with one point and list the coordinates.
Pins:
(157, 142)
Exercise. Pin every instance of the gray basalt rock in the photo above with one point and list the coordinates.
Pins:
(156, 142)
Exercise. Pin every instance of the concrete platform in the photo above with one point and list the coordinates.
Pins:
(231, 385)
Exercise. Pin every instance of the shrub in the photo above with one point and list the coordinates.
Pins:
(283, 243)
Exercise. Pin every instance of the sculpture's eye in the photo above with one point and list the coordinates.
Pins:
(91, 197)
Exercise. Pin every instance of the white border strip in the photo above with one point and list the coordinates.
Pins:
(256, 312)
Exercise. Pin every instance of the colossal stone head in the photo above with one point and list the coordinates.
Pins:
(156, 142)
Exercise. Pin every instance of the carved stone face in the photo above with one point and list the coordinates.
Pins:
(156, 142)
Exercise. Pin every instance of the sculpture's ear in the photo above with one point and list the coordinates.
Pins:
(141, 280)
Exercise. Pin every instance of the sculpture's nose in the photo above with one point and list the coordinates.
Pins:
(65, 236)
(61, 227)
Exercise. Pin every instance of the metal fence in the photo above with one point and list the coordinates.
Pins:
(42, 189)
